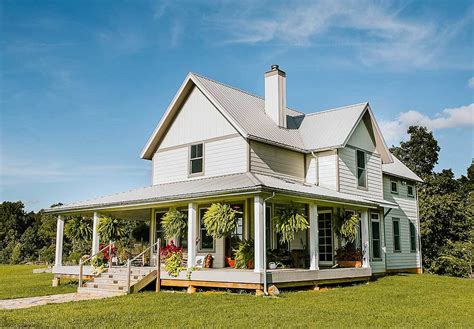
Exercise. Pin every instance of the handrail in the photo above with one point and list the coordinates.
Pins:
(129, 261)
(81, 262)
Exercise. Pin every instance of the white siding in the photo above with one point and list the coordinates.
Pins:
(269, 159)
(221, 157)
(324, 173)
(407, 212)
(362, 138)
(197, 120)
(348, 174)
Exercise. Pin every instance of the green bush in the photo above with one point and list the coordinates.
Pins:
(244, 254)
(16, 254)
(456, 259)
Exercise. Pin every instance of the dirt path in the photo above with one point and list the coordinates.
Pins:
(53, 299)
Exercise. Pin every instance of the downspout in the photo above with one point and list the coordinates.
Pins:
(316, 165)
(265, 290)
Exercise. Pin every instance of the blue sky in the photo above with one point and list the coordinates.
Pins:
(84, 83)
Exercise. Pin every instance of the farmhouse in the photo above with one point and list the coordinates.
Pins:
(217, 144)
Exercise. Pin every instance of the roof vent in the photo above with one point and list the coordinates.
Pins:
(275, 95)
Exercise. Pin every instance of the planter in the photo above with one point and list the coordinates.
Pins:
(349, 263)
(250, 265)
(229, 262)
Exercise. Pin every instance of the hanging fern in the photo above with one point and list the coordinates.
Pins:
(347, 226)
(174, 224)
(220, 220)
(111, 228)
(288, 222)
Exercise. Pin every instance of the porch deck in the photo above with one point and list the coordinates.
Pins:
(246, 279)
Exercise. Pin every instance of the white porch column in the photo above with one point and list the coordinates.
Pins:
(365, 239)
(59, 241)
(192, 234)
(313, 237)
(95, 234)
(259, 228)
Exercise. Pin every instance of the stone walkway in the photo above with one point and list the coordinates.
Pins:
(53, 299)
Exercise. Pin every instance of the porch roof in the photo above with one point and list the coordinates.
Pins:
(209, 187)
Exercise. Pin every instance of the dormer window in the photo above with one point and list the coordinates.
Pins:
(361, 169)
(196, 159)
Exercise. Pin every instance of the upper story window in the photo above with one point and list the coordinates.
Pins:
(361, 169)
(410, 191)
(196, 159)
(394, 187)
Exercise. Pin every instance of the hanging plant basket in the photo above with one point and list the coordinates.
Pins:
(288, 222)
(220, 220)
(174, 224)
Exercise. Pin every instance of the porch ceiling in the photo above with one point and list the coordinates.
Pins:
(209, 187)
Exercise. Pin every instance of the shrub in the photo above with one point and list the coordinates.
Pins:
(455, 259)
(244, 254)
(173, 259)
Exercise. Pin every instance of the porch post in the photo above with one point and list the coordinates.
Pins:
(259, 229)
(313, 237)
(59, 241)
(192, 225)
(95, 234)
(365, 239)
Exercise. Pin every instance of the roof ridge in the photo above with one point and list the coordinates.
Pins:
(336, 109)
(238, 89)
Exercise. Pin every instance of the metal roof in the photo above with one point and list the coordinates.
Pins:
(208, 187)
(397, 168)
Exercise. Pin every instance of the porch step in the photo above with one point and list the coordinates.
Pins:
(90, 290)
(114, 280)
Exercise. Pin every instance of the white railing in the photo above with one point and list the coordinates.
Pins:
(82, 262)
(142, 255)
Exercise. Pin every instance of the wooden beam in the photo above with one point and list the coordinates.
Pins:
(318, 282)
(210, 284)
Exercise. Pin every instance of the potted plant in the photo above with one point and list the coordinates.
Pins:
(346, 229)
(289, 221)
(220, 220)
(174, 224)
(244, 254)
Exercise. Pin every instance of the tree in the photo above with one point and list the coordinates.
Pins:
(420, 152)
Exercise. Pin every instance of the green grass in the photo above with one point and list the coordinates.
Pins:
(20, 281)
(394, 301)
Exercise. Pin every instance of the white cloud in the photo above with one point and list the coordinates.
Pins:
(379, 32)
(470, 83)
(395, 130)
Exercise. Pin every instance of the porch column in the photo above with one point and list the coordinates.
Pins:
(313, 237)
(95, 234)
(365, 239)
(59, 241)
(259, 229)
(192, 234)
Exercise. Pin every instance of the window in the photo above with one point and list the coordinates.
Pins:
(410, 191)
(361, 171)
(238, 235)
(196, 159)
(206, 242)
(394, 187)
(376, 246)
(412, 237)
(325, 237)
(159, 232)
(396, 235)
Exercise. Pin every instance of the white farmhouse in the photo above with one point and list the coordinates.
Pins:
(216, 143)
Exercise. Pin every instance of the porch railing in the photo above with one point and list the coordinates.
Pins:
(82, 262)
(142, 256)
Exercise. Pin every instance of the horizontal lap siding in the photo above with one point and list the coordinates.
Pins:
(348, 174)
(221, 157)
(273, 160)
(407, 213)
(327, 169)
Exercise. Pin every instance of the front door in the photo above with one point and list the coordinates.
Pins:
(325, 238)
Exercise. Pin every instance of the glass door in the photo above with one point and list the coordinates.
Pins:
(325, 238)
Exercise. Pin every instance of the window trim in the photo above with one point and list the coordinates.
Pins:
(200, 249)
(394, 219)
(393, 181)
(412, 195)
(365, 170)
(201, 173)
(410, 223)
(373, 258)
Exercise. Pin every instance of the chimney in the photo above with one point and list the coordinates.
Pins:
(275, 95)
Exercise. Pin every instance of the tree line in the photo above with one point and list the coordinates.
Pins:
(446, 210)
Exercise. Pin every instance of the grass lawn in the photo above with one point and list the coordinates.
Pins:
(395, 301)
(20, 281)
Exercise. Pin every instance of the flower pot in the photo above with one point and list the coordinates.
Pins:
(229, 262)
(349, 263)
(250, 264)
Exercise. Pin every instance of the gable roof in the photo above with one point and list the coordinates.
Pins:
(246, 112)
(398, 169)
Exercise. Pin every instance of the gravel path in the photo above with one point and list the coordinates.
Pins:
(53, 299)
